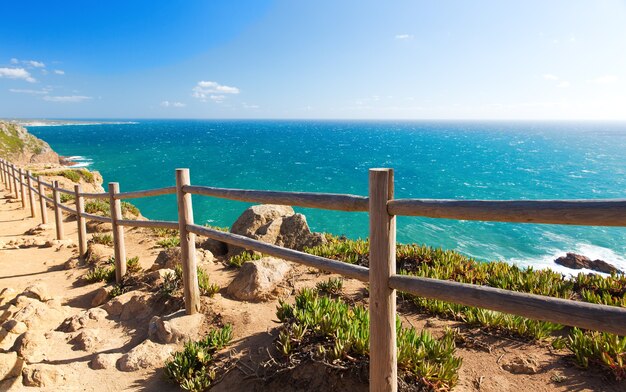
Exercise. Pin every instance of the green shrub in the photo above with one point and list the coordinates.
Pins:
(100, 274)
(206, 287)
(102, 207)
(191, 367)
(132, 265)
(169, 242)
(64, 198)
(163, 232)
(332, 331)
(599, 348)
(238, 260)
(172, 282)
(332, 286)
(102, 239)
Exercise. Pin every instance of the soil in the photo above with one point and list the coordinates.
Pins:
(250, 354)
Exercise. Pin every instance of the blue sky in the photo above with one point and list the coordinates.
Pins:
(314, 59)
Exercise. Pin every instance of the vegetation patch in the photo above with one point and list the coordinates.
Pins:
(193, 368)
(102, 207)
(173, 283)
(102, 239)
(74, 175)
(238, 260)
(332, 286)
(330, 331)
(169, 242)
(64, 198)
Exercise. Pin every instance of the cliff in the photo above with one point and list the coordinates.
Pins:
(20, 147)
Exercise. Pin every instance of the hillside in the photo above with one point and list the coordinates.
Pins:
(20, 147)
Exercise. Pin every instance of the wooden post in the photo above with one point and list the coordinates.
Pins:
(42, 201)
(20, 173)
(31, 194)
(382, 309)
(80, 220)
(118, 232)
(9, 182)
(187, 243)
(58, 215)
(3, 172)
(15, 188)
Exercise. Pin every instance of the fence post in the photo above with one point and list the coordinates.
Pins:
(118, 232)
(15, 189)
(42, 201)
(187, 243)
(2, 171)
(58, 215)
(31, 194)
(9, 181)
(382, 309)
(22, 187)
(80, 220)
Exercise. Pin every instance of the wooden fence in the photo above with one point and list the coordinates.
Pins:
(382, 277)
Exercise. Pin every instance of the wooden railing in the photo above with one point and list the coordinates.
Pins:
(382, 277)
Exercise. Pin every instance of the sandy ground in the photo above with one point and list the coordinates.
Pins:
(254, 325)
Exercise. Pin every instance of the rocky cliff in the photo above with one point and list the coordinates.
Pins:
(20, 147)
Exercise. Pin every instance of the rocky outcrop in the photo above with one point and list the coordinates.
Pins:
(147, 355)
(20, 147)
(575, 261)
(10, 365)
(170, 258)
(176, 327)
(275, 224)
(42, 376)
(258, 280)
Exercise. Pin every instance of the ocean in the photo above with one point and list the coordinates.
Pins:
(436, 159)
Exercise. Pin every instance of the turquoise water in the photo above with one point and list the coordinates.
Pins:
(462, 160)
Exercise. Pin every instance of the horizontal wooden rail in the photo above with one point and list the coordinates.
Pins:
(148, 223)
(324, 264)
(563, 212)
(66, 191)
(95, 195)
(327, 201)
(48, 199)
(67, 209)
(98, 218)
(170, 190)
(561, 311)
(46, 184)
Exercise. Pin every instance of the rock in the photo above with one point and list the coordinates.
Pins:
(39, 229)
(14, 326)
(42, 375)
(147, 354)
(170, 258)
(98, 253)
(217, 248)
(87, 340)
(8, 312)
(100, 296)
(71, 263)
(256, 216)
(175, 327)
(98, 227)
(58, 243)
(7, 294)
(128, 305)
(521, 365)
(97, 314)
(104, 361)
(82, 319)
(10, 365)
(36, 314)
(38, 291)
(32, 346)
(575, 261)
(155, 278)
(257, 280)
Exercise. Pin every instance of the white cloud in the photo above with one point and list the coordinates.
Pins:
(36, 64)
(550, 77)
(59, 72)
(605, 79)
(212, 90)
(167, 104)
(249, 106)
(68, 98)
(404, 36)
(563, 84)
(28, 91)
(16, 73)
(14, 60)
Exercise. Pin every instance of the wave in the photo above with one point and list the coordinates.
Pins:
(79, 161)
(592, 251)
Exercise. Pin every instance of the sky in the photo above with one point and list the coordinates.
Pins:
(488, 60)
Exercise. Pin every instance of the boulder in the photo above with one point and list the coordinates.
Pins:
(128, 306)
(256, 216)
(7, 294)
(36, 314)
(217, 248)
(82, 319)
(10, 365)
(100, 296)
(98, 227)
(575, 261)
(146, 355)
(38, 291)
(257, 280)
(32, 346)
(155, 278)
(68, 243)
(15, 327)
(170, 258)
(87, 340)
(42, 376)
(98, 253)
(176, 327)
(104, 361)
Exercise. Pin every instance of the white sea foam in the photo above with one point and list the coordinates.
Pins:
(80, 161)
(592, 251)
(44, 123)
